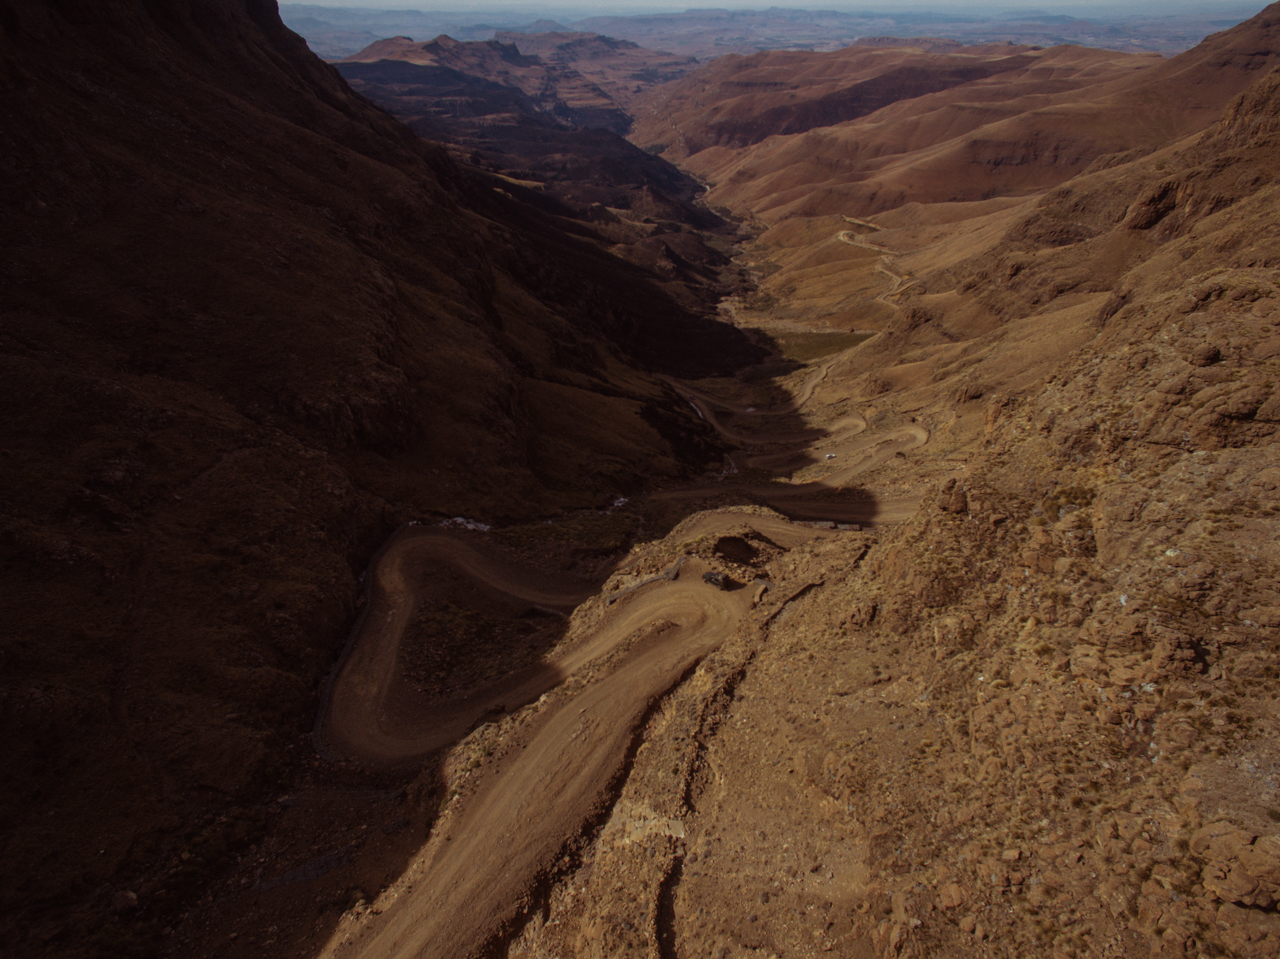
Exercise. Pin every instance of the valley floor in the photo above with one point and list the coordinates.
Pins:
(967, 645)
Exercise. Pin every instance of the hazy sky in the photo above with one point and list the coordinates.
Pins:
(1092, 8)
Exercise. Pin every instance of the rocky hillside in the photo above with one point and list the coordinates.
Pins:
(1039, 717)
(555, 89)
(583, 78)
(620, 68)
(251, 324)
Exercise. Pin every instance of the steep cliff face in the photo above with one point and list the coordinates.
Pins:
(249, 324)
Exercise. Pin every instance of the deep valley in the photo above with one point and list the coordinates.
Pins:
(535, 495)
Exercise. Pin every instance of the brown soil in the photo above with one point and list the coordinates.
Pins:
(1030, 709)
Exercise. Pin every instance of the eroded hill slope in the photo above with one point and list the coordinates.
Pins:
(1039, 717)
(863, 130)
(1035, 717)
(539, 120)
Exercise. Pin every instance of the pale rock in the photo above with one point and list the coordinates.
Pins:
(899, 902)
(1263, 859)
(950, 896)
(1116, 895)
(1128, 826)
(1219, 841)
(1229, 883)
(1149, 913)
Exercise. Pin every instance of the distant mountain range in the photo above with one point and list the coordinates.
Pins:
(335, 32)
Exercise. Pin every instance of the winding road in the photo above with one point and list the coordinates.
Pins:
(557, 771)
(372, 713)
(897, 282)
(841, 446)
(545, 790)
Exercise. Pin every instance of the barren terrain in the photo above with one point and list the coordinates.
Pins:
(1030, 718)
(925, 604)
(549, 120)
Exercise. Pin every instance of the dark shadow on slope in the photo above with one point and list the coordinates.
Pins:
(230, 308)
(581, 158)
(471, 657)
(854, 101)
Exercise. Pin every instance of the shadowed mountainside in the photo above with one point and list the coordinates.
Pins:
(250, 325)
(573, 153)
(554, 89)
(535, 119)
(583, 78)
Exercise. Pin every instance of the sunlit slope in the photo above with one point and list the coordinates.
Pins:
(862, 131)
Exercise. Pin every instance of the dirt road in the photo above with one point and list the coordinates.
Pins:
(372, 713)
(897, 282)
(843, 448)
(552, 783)
(561, 770)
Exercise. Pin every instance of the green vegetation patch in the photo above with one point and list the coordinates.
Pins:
(602, 532)
(807, 347)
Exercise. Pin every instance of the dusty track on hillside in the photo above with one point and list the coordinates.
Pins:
(843, 445)
(897, 282)
(548, 788)
(564, 764)
(372, 713)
